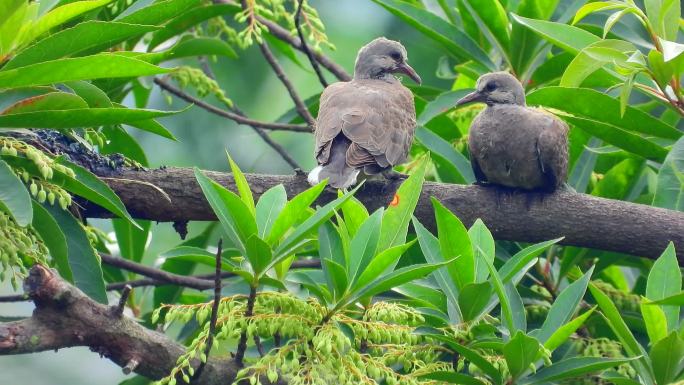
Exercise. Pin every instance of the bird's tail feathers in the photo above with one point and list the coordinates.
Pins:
(338, 173)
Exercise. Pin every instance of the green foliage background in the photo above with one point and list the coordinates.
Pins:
(610, 69)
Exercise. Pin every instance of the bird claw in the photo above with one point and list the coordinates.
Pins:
(393, 175)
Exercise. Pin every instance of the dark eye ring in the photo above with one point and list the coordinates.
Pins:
(491, 86)
(395, 55)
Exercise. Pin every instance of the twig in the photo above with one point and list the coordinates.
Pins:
(119, 308)
(242, 344)
(131, 365)
(230, 115)
(299, 104)
(214, 310)
(259, 345)
(305, 47)
(14, 298)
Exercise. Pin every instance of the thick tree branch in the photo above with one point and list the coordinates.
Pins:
(66, 317)
(583, 220)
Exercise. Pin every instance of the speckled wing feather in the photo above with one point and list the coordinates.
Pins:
(377, 116)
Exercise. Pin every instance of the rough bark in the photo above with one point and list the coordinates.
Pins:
(172, 194)
(66, 317)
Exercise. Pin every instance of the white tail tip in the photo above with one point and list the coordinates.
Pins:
(313, 175)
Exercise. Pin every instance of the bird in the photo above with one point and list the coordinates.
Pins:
(511, 144)
(366, 123)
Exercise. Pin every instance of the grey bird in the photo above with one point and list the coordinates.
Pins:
(514, 145)
(366, 123)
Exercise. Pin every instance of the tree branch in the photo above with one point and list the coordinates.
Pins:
(583, 220)
(305, 47)
(66, 317)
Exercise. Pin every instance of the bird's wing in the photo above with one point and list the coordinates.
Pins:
(378, 117)
(552, 149)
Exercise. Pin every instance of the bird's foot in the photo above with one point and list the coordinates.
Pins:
(299, 172)
(393, 175)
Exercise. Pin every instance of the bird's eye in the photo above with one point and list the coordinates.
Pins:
(491, 86)
(395, 55)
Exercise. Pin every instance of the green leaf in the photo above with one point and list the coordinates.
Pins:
(629, 343)
(429, 244)
(567, 37)
(458, 44)
(72, 41)
(380, 264)
(258, 253)
(363, 245)
(58, 16)
(47, 227)
(572, 368)
(591, 104)
(590, 8)
(563, 333)
(492, 20)
(506, 306)
(664, 17)
(92, 188)
(483, 247)
(86, 117)
(14, 197)
(131, 240)
(236, 219)
(321, 215)
(440, 105)
(190, 18)
(671, 50)
(99, 66)
(469, 354)
(395, 278)
(452, 378)
(196, 46)
(473, 299)
(669, 192)
(242, 186)
(152, 126)
(336, 276)
(293, 212)
(84, 263)
(93, 96)
(268, 208)
(664, 280)
(398, 214)
(355, 213)
(667, 355)
(520, 352)
(524, 257)
(655, 321)
(454, 242)
(444, 149)
(159, 12)
(564, 307)
(330, 251)
(48, 101)
(676, 300)
(593, 57)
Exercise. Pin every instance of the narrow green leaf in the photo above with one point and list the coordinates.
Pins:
(91, 94)
(572, 368)
(454, 242)
(523, 257)
(355, 213)
(564, 307)
(655, 321)
(86, 117)
(593, 57)
(563, 333)
(443, 103)
(380, 264)
(471, 355)
(47, 227)
(72, 41)
(190, 18)
(270, 204)
(491, 17)
(151, 125)
(60, 15)
(364, 244)
(330, 250)
(131, 240)
(293, 212)
(590, 8)
(567, 37)
(669, 192)
(158, 13)
(506, 309)
(675, 300)
(444, 149)
(664, 280)
(197, 46)
(452, 378)
(397, 216)
(520, 352)
(474, 298)
(667, 356)
(84, 263)
(99, 66)
(242, 186)
(49, 101)
(14, 197)
(664, 16)
(258, 253)
(483, 247)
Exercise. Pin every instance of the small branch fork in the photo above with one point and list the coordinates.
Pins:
(305, 47)
(214, 309)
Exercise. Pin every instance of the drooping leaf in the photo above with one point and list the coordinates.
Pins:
(14, 197)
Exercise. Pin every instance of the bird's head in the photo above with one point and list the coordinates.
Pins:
(381, 58)
(496, 88)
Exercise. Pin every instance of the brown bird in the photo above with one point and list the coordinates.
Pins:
(513, 145)
(367, 123)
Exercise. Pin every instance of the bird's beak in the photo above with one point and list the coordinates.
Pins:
(472, 97)
(410, 72)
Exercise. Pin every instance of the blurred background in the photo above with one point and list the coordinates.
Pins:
(203, 139)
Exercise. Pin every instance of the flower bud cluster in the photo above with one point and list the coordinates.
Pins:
(19, 247)
(623, 301)
(203, 84)
(94, 137)
(604, 347)
(393, 313)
